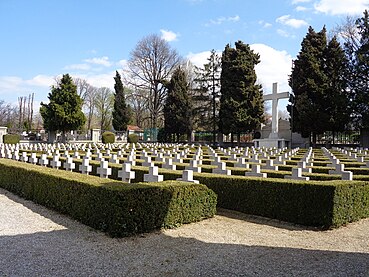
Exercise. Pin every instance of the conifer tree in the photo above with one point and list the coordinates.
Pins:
(241, 102)
(121, 111)
(337, 98)
(307, 83)
(207, 93)
(64, 111)
(319, 101)
(357, 51)
(178, 106)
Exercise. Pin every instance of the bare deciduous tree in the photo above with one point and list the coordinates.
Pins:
(104, 103)
(151, 62)
(26, 111)
(89, 104)
(348, 32)
(8, 114)
(82, 87)
(137, 99)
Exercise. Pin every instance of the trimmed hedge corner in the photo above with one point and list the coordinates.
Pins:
(109, 205)
(11, 139)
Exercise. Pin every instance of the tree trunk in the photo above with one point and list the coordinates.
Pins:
(63, 137)
(313, 138)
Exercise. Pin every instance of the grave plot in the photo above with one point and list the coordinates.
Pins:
(120, 209)
(298, 164)
(228, 171)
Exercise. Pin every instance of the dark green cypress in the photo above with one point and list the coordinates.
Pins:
(178, 106)
(241, 102)
(121, 112)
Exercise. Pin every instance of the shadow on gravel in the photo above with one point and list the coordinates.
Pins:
(265, 221)
(80, 251)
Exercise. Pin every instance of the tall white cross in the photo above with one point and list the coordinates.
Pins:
(275, 96)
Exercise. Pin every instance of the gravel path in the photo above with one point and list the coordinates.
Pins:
(35, 241)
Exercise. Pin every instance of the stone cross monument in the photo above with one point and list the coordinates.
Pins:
(273, 140)
(274, 97)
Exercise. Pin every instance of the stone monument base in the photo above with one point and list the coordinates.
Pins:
(2, 133)
(270, 143)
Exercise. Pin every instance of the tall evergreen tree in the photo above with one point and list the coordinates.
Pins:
(357, 51)
(241, 101)
(121, 111)
(178, 106)
(337, 98)
(64, 110)
(320, 101)
(207, 93)
(308, 83)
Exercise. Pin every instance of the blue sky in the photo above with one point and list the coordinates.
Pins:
(41, 39)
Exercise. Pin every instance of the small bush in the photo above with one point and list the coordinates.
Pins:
(11, 138)
(108, 137)
(132, 138)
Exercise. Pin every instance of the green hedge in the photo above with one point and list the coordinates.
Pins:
(108, 137)
(132, 138)
(327, 204)
(11, 138)
(109, 205)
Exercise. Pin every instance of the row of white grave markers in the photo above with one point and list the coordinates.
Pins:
(194, 164)
(339, 168)
(125, 174)
(242, 157)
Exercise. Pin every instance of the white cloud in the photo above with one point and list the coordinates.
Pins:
(12, 87)
(291, 22)
(99, 80)
(123, 64)
(222, 19)
(199, 59)
(265, 24)
(104, 61)
(41, 81)
(11, 84)
(301, 9)
(168, 35)
(274, 66)
(337, 7)
(234, 18)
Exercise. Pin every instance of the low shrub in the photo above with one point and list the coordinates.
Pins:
(109, 205)
(11, 138)
(108, 137)
(132, 138)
